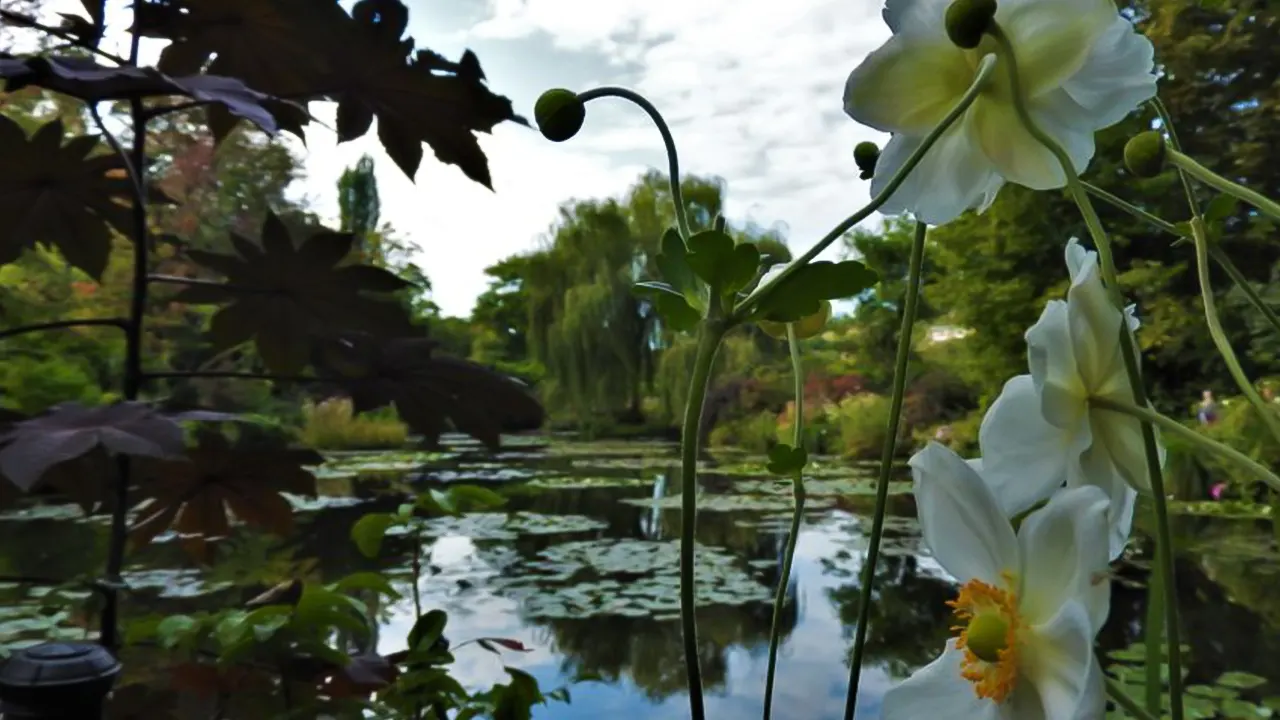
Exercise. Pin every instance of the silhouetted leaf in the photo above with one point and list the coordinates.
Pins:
(720, 263)
(489, 643)
(69, 430)
(673, 266)
(369, 531)
(801, 294)
(284, 295)
(427, 629)
(196, 496)
(429, 392)
(58, 195)
(786, 460)
(672, 307)
(86, 79)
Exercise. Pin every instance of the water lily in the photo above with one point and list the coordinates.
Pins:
(1041, 432)
(1082, 67)
(1029, 606)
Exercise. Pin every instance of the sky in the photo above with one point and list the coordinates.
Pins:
(752, 90)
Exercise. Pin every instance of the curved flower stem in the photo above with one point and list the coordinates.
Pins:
(1174, 427)
(1166, 121)
(1219, 335)
(1128, 351)
(979, 83)
(1126, 703)
(798, 495)
(1224, 261)
(673, 162)
(709, 336)
(887, 454)
(1264, 204)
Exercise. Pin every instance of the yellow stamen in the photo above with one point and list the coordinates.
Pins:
(988, 636)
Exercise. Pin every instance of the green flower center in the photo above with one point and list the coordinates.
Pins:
(988, 634)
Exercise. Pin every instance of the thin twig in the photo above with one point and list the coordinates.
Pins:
(22, 20)
(171, 374)
(179, 280)
(58, 324)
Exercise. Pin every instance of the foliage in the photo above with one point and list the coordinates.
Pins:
(332, 425)
(860, 422)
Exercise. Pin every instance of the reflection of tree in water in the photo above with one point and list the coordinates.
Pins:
(651, 652)
(910, 619)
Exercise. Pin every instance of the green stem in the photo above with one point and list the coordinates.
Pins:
(1264, 204)
(673, 162)
(1226, 452)
(1219, 335)
(59, 324)
(887, 454)
(1154, 636)
(709, 336)
(1125, 702)
(1215, 252)
(979, 83)
(798, 495)
(1128, 352)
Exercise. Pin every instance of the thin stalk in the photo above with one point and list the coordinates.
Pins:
(979, 83)
(1215, 251)
(1128, 351)
(1183, 162)
(1219, 335)
(179, 280)
(147, 376)
(1166, 120)
(58, 324)
(673, 162)
(1167, 424)
(22, 20)
(1153, 636)
(798, 496)
(887, 454)
(1126, 703)
(710, 334)
(417, 596)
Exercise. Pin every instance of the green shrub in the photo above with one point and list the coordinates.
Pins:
(331, 425)
(755, 433)
(860, 424)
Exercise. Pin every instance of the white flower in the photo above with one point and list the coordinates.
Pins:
(1082, 66)
(1029, 606)
(1041, 432)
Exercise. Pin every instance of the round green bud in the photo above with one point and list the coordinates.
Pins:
(968, 20)
(1144, 154)
(865, 154)
(559, 114)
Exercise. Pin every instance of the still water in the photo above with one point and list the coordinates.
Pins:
(580, 566)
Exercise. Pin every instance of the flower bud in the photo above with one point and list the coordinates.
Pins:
(865, 154)
(968, 20)
(559, 114)
(1144, 154)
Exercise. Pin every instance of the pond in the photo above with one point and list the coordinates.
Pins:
(581, 567)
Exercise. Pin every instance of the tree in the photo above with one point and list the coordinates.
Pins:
(358, 200)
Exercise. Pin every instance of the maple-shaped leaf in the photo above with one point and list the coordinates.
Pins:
(61, 195)
(283, 295)
(198, 495)
(429, 392)
(31, 447)
(86, 79)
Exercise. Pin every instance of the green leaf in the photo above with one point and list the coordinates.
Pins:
(674, 310)
(673, 266)
(428, 629)
(801, 294)
(722, 264)
(787, 460)
(366, 581)
(1240, 680)
(1221, 207)
(1154, 637)
(369, 531)
(472, 497)
(174, 629)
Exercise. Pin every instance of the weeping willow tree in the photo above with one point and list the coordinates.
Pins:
(599, 343)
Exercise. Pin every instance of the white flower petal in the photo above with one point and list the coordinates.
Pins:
(1064, 544)
(1097, 468)
(1118, 75)
(938, 692)
(1052, 38)
(1025, 458)
(1079, 258)
(1058, 660)
(1095, 333)
(1051, 357)
(952, 177)
(907, 85)
(1119, 436)
(1068, 123)
(1013, 151)
(922, 18)
(960, 519)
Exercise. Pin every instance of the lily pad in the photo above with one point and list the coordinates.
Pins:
(835, 487)
(572, 482)
(172, 582)
(1240, 680)
(503, 526)
(733, 503)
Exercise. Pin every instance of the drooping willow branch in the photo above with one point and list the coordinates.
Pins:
(121, 323)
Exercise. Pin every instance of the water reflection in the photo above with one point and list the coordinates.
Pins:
(605, 602)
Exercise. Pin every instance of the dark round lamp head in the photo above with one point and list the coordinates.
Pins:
(57, 680)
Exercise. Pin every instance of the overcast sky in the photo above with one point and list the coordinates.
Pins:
(751, 88)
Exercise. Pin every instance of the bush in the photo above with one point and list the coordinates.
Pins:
(331, 425)
(860, 424)
(756, 433)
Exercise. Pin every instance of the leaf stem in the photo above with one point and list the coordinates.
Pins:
(198, 282)
(121, 323)
(979, 83)
(1183, 162)
(673, 161)
(1128, 351)
(1226, 452)
(22, 20)
(1130, 208)
(887, 454)
(793, 534)
(710, 333)
(1125, 702)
